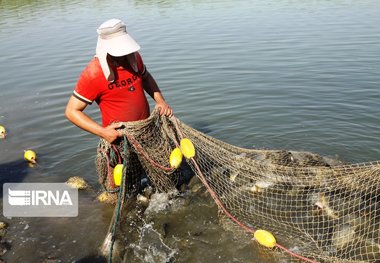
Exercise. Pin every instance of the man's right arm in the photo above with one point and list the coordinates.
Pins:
(74, 112)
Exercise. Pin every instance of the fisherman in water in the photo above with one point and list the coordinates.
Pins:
(115, 79)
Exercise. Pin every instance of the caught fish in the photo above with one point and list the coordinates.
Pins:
(343, 235)
(373, 247)
(260, 186)
(233, 176)
(143, 200)
(320, 202)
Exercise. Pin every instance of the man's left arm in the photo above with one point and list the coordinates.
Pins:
(151, 87)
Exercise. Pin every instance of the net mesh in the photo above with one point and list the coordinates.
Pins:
(319, 210)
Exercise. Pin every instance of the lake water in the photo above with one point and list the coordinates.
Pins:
(296, 75)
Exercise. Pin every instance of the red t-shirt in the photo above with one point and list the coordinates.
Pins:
(121, 100)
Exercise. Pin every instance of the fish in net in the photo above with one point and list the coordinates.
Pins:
(317, 209)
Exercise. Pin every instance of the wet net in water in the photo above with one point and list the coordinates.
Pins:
(318, 209)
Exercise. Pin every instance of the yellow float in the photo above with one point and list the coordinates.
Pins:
(118, 174)
(3, 132)
(265, 238)
(176, 158)
(30, 156)
(187, 148)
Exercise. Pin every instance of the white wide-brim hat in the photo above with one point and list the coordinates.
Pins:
(113, 39)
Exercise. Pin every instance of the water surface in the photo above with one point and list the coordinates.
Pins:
(266, 74)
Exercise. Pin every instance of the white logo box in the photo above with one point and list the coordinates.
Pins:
(39, 200)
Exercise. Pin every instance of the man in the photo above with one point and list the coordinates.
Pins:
(116, 79)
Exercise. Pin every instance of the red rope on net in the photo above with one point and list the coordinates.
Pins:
(139, 148)
(109, 174)
(117, 152)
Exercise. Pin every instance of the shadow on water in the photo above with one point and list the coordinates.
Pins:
(92, 259)
(12, 172)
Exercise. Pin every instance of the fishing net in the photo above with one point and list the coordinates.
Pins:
(318, 209)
